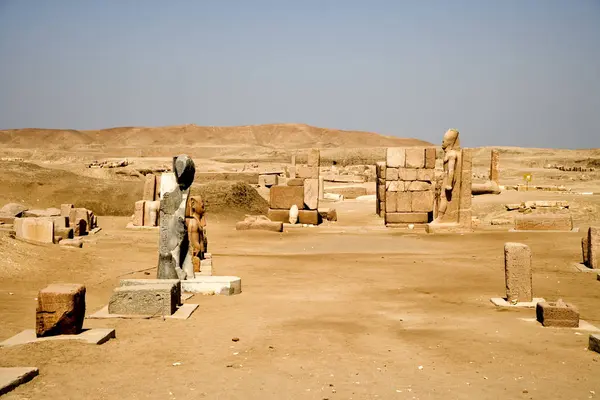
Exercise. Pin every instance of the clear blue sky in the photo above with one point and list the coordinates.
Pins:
(504, 72)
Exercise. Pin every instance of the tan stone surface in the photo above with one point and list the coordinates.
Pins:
(407, 174)
(311, 194)
(465, 214)
(279, 215)
(430, 153)
(380, 169)
(307, 172)
(157, 187)
(419, 186)
(310, 217)
(405, 218)
(394, 186)
(149, 187)
(151, 213)
(518, 275)
(395, 157)
(415, 157)
(60, 310)
(558, 314)
(35, 229)
(422, 201)
(494, 161)
(65, 209)
(427, 175)
(314, 158)
(295, 182)
(390, 201)
(594, 247)
(78, 220)
(283, 197)
(543, 222)
(138, 213)
(404, 202)
(391, 174)
(584, 250)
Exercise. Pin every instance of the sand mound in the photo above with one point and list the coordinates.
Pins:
(230, 198)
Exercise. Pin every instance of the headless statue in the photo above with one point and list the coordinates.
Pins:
(175, 261)
(451, 147)
(195, 222)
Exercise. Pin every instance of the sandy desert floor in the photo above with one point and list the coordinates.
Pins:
(346, 310)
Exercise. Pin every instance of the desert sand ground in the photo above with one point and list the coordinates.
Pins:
(346, 310)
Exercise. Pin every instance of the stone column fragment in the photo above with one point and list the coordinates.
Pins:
(494, 167)
(517, 268)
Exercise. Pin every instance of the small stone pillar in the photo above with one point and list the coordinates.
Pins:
(494, 167)
(149, 187)
(60, 310)
(584, 250)
(321, 188)
(593, 254)
(517, 268)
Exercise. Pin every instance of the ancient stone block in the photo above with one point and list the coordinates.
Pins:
(64, 233)
(381, 192)
(430, 157)
(295, 182)
(278, 215)
(138, 282)
(394, 186)
(584, 250)
(72, 242)
(395, 157)
(422, 201)
(543, 222)
(307, 172)
(151, 211)
(558, 314)
(427, 175)
(380, 169)
(314, 158)
(149, 299)
(267, 180)
(35, 229)
(138, 214)
(321, 188)
(310, 217)
(48, 212)
(594, 247)
(60, 310)
(405, 218)
(283, 197)
(311, 194)
(391, 174)
(517, 268)
(390, 201)
(418, 186)
(78, 220)
(65, 209)
(157, 187)
(407, 174)
(149, 187)
(403, 202)
(382, 209)
(494, 166)
(415, 157)
(594, 343)
(13, 210)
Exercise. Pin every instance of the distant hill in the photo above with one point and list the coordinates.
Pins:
(274, 136)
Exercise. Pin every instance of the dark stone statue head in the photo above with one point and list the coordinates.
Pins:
(184, 169)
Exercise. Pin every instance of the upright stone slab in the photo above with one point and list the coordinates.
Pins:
(517, 268)
(396, 157)
(175, 257)
(594, 247)
(79, 221)
(311, 194)
(65, 210)
(138, 214)
(151, 210)
(314, 158)
(60, 310)
(157, 187)
(585, 248)
(494, 176)
(148, 299)
(35, 229)
(149, 187)
(284, 197)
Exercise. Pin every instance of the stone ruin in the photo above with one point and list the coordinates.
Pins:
(557, 314)
(64, 226)
(492, 185)
(60, 310)
(303, 190)
(590, 248)
(146, 210)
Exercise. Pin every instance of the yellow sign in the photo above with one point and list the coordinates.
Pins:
(527, 177)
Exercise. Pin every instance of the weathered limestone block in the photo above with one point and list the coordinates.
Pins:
(406, 218)
(278, 215)
(292, 172)
(494, 167)
(517, 269)
(35, 229)
(419, 186)
(72, 242)
(380, 169)
(396, 157)
(295, 182)
(314, 158)
(64, 233)
(138, 213)
(267, 180)
(391, 174)
(65, 210)
(594, 247)
(488, 187)
(149, 187)
(78, 220)
(594, 343)
(558, 314)
(415, 157)
(407, 174)
(394, 186)
(422, 201)
(427, 175)
(544, 222)
(430, 157)
(321, 187)
(137, 282)
(311, 194)
(381, 191)
(381, 209)
(390, 201)
(149, 299)
(585, 247)
(151, 211)
(157, 187)
(60, 310)
(283, 197)
(307, 172)
(404, 202)
(310, 217)
(259, 222)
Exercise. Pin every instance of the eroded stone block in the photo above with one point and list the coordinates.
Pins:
(418, 186)
(151, 211)
(430, 157)
(422, 201)
(314, 158)
(65, 209)
(594, 247)
(390, 201)
(278, 215)
(544, 222)
(138, 213)
(403, 202)
(149, 187)
(427, 175)
(35, 229)
(60, 309)
(394, 186)
(295, 182)
(307, 172)
(395, 157)
(311, 194)
(267, 180)
(407, 174)
(391, 174)
(415, 157)
(148, 299)
(310, 217)
(284, 197)
(406, 218)
(558, 314)
(517, 269)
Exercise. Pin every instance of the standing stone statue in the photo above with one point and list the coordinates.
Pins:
(195, 222)
(174, 259)
(454, 194)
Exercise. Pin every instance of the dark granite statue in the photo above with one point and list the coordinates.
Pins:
(174, 259)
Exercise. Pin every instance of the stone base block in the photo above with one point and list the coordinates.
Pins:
(279, 215)
(544, 222)
(448, 227)
(557, 314)
(60, 309)
(76, 243)
(310, 217)
(10, 378)
(501, 302)
(406, 218)
(146, 299)
(183, 312)
(263, 225)
(138, 282)
(91, 336)
(594, 344)
(284, 197)
(221, 285)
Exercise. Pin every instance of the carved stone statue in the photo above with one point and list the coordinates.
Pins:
(196, 230)
(175, 261)
(453, 198)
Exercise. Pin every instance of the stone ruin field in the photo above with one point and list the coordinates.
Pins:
(348, 309)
